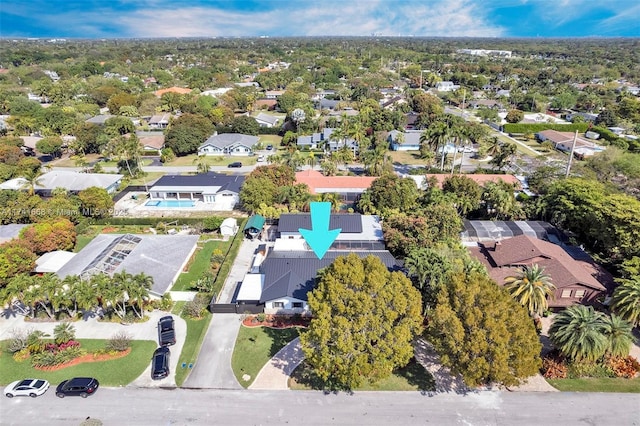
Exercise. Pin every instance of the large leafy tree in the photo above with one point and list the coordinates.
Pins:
(481, 333)
(364, 321)
(579, 333)
(49, 235)
(392, 194)
(279, 174)
(95, 202)
(431, 224)
(466, 193)
(245, 125)
(257, 191)
(531, 288)
(187, 133)
(15, 258)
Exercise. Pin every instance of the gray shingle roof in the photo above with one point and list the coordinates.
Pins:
(226, 140)
(293, 274)
(349, 223)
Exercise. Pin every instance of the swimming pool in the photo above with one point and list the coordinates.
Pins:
(170, 203)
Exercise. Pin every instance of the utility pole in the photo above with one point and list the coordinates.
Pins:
(573, 147)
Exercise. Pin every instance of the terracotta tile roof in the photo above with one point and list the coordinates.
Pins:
(505, 258)
(480, 179)
(179, 90)
(316, 180)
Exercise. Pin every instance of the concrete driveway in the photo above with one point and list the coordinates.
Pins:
(212, 369)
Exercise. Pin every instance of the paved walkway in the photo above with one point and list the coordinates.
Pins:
(275, 374)
(91, 328)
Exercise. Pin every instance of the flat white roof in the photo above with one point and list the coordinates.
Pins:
(251, 287)
(53, 261)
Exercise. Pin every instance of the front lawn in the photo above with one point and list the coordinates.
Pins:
(597, 385)
(212, 160)
(115, 372)
(255, 347)
(413, 377)
(411, 158)
(148, 179)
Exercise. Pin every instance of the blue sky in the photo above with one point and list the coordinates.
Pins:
(219, 18)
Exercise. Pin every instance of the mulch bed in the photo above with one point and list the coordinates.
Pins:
(85, 358)
(276, 321)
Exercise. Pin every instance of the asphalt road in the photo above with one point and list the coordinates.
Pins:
(207, 407)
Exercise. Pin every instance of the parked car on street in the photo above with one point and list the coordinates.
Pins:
(78, 386)
(166, 331)
(261, 158)
(160, 363)
(26, 387)
(269, 147)
(235, 164)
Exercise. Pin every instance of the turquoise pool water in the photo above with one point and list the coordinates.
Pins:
(170, 203)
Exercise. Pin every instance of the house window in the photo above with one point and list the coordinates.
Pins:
(297, 304)
(278, 305)
(579, 294)
(565, 293)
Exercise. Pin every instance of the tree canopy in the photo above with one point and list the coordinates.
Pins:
(364, 321)
(481, 333)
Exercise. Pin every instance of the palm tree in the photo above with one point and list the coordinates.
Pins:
(137, 289)
(32, 180)
(579, 332)
(626, 301)
(619, 334)
(435, 137)
(64, 332)
(81, 294)
(531, 288)
(331, 197)
(202, 166)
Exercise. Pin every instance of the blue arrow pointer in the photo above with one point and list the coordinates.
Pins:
(319, 237)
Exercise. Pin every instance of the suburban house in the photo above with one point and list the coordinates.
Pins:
(219, 190)
(159, 121)
(323, 140)
(151, 141)
(446, 86)
(577, 280)
(163, 257)
(73, 182)
(563, 141)
(234, 144)
(53, 261)
(323, 103)
(281, 279)
(348, 187)
(409, 140)
(273, 94)
(485, 103)
(267, 120)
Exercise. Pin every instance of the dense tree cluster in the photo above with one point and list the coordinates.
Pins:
(364, 321)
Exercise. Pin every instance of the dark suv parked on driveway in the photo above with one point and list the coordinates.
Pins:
(160, 363)
(78, 386)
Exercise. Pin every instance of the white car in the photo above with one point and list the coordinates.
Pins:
(26, 387)
(261, 158)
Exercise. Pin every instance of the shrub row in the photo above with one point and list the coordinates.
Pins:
(522, 128)
(557, 367)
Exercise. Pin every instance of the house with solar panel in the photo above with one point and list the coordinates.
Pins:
(281, 279)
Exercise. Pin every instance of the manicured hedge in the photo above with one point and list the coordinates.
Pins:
(521, 128)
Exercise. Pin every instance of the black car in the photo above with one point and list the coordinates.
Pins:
(269, 147)
(160, 363)
(78, 386)
(166, 331)
(235, 164)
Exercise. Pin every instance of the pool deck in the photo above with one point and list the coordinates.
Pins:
(130, 207)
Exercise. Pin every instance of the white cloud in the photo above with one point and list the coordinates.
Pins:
(357, 18)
